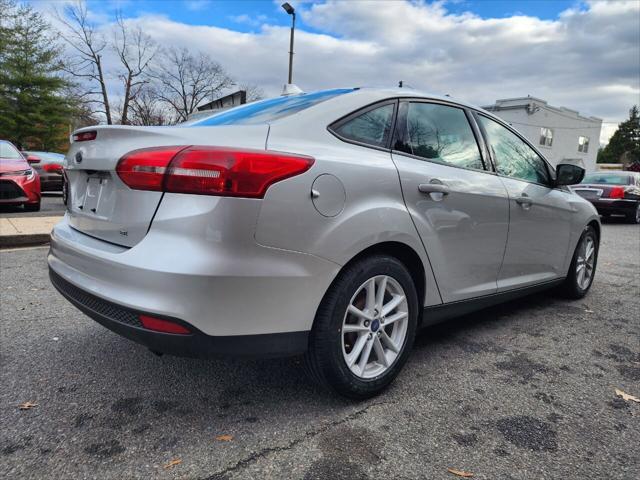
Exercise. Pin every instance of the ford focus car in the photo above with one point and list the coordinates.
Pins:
(332, 224)
(19, 183)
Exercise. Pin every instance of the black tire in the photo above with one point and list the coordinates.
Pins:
(32, 208)
(634, 217)
(324, 359)
(570, 288)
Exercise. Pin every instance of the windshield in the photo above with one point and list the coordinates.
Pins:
(266, 111)
(8, 151)
(608, 178)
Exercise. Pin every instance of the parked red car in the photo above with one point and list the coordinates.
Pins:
(19, 183)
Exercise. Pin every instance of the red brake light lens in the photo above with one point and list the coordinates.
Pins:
(144, 169)
(616, 192)
(209, 170)
(164, 326)
(230, 172)
(85, 136)
(52, 167)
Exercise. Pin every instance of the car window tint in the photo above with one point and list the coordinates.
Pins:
(513, 157)
(442, 134)
(9, 152)
(372, 127)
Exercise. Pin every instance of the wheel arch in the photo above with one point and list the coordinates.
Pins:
(596, 226)
(407, 256)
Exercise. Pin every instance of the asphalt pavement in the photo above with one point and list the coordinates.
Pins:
(50, 205)
(520, 391)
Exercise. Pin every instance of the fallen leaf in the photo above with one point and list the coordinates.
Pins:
(27, 405)
(175, 461)
(626, 397)
(224, 438)
(460, 473)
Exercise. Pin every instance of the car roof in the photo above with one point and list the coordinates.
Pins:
(414, 93)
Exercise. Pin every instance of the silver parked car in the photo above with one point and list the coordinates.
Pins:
(333, 224)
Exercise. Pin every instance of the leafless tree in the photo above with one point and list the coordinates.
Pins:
(86, 64)
(183, 80)
(147, 109)
(254, 92)
(136, 50)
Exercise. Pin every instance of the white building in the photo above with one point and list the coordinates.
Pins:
(559, 133)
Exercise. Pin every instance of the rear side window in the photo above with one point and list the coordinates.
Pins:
(267, 111)
(513, 157)
(9, 152)
(442, 134)
(372, 127)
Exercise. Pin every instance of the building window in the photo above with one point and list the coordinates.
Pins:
(546, 137)
(583, 144)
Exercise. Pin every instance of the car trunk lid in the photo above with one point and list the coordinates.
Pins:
(100, 204)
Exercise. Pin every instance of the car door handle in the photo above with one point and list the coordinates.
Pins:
(433, 188)
(524, 201)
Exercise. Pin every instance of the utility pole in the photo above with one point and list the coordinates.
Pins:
(291, 11)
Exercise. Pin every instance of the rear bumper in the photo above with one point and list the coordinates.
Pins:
(124, 321)
(51, 183)
(615, 206)
(205, 269)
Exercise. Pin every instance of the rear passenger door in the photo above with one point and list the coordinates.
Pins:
(459, 207)
(540, 215)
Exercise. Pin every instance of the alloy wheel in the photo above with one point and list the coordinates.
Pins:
(374, 327)
(585, 262)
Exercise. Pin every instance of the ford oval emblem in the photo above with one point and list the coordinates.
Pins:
(79, 157)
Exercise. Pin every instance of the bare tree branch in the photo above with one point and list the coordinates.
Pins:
(185, 80)
(83, 38)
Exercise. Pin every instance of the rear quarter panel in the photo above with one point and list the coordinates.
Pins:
(373, 209)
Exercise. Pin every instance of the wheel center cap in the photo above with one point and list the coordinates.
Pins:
(375, 325)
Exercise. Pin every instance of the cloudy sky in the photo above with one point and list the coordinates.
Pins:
(581, 55)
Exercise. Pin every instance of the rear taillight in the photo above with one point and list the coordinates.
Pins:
(144, 169)
(209, 170)
(52, 167)
(85, 136)
(616, 192)
(164, 326)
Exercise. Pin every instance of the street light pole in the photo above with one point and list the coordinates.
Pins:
(291, 11)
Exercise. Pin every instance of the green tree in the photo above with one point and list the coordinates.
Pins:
(624, 145)
(34, 113)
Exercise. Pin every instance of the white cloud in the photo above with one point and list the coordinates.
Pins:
(197, 5)
(587, 59)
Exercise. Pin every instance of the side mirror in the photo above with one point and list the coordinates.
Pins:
(568, 174)
(33, 159)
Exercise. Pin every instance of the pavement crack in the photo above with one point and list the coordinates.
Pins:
(255, 456)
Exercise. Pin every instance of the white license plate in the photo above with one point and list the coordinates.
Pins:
(91, 201)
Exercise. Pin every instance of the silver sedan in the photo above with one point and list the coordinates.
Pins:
(332, 224)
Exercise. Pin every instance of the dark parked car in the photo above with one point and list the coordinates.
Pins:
(49, 168)
(19, 183)
(612, 193)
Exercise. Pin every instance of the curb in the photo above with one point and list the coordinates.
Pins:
(22, 240)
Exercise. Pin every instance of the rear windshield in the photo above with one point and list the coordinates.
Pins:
(10, 152)
(266, 111)
(607, 178)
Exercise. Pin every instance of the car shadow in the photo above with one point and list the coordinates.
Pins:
(227, 383)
